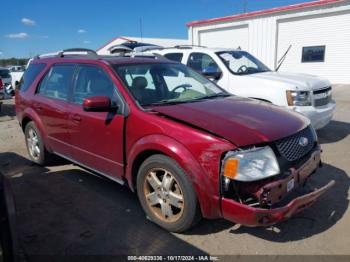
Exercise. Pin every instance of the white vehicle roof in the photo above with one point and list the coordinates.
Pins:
(197, 48)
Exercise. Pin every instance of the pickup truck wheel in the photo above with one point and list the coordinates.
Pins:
(166, 194)
(35, 145)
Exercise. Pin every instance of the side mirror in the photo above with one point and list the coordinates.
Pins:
(211, 72)
(98, 104)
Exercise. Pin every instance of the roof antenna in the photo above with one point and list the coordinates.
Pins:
(141, 28)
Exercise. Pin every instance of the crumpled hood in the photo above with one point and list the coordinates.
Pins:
(242, 121)
(303, 82)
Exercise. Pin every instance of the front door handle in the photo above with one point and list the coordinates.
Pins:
(76, 118)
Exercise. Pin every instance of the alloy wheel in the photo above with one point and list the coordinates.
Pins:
(33, 144)
(163, 195)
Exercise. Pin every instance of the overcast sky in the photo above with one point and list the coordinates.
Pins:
(30, 27)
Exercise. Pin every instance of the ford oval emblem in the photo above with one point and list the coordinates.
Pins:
(303, 141)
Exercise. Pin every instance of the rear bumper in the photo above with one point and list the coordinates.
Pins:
(249, 216)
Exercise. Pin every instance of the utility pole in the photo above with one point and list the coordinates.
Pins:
(141, 28)
(245, 5)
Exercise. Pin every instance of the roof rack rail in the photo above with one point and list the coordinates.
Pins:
(146, 55)
(46, 55)
(146, 48)
(188, 46)
(137, 55)
(70, 51)
(78, 51)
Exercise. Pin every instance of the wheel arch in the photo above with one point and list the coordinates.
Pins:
(31, 116)
(137, 162)
(161, 144)
(24, 122)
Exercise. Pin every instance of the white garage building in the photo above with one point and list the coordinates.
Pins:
(318, 32)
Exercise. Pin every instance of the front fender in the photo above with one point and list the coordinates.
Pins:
(209, 204)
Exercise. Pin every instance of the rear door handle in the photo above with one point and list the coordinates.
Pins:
(76, 118)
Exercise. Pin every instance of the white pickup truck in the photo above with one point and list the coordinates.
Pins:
(242, 74)
(16, 74)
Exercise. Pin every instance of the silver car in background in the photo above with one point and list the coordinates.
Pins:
(6, 80)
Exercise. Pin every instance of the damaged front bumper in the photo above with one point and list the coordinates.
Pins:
(271, 194)
(249, 216)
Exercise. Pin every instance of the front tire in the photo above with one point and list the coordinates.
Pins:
(35, 145)
(166, 194)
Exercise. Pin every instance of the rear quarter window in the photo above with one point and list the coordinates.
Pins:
(174, 56)
(29, 76)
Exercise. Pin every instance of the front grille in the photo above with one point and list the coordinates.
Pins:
(291, 148)
(322, 96)
(322, 101)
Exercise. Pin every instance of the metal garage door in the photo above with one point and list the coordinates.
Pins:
(230, 37)
(331, 31)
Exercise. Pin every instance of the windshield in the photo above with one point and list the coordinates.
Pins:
(242, 63)
(158, 84)
(5, 73)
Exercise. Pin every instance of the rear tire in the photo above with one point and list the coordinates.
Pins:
(166, 194)
(35, 145)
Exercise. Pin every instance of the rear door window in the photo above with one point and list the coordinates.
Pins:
(29, 76)
(57, 83)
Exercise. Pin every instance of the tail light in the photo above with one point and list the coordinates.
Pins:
(1, 84)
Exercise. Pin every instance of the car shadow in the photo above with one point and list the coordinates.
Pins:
(209, 226)
(75, 213)
(320, 217)
(335, 131)
(72, 212)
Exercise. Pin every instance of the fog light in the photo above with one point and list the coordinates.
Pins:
(226, 183)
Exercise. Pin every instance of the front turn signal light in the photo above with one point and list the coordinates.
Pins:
(231, 168)
(290, 98)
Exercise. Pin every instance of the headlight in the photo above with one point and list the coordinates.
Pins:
(298, 98)
(251, 165)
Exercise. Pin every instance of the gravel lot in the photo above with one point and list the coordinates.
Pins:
(64, 210)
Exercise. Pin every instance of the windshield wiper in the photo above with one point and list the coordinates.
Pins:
(166, 102)
(174, 102)
(212, 96)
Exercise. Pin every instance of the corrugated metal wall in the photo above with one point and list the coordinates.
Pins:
(222, 37)
(269, 37)
(262, 39)
(332, 31)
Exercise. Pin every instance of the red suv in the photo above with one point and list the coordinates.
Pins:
(188, 148)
